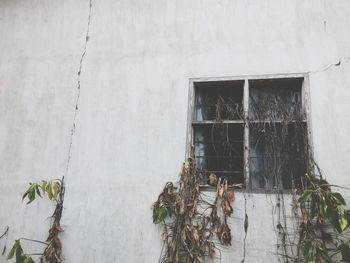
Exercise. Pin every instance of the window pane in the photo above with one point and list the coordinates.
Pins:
(221, 100)
(275, 99)
(278, 154)
(219, 150)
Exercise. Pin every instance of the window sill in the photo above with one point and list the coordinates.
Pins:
(208, 188)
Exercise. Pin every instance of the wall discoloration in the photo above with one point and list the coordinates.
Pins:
(130, 133)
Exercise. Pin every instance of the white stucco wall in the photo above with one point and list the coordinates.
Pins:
(131, 122)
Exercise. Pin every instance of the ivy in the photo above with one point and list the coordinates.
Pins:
(321, 207)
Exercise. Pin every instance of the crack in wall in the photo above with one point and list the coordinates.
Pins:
(87, 37)
(246, 224)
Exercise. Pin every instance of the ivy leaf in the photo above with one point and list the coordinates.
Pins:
(305, 196)
(339, 198)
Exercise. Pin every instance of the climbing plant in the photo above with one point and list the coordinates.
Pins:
(54, 190)
(190, 222)
(323, 222)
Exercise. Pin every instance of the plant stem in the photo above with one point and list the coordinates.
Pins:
(334, 185)
(33, 240)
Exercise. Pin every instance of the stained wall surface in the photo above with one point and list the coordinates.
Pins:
(130, 126)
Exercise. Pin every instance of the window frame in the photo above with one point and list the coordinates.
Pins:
(305, 100)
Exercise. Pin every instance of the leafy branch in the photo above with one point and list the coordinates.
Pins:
(51, 188)
(322, 211)
(54, 190)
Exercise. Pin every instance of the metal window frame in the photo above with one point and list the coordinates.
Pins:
(306, 107)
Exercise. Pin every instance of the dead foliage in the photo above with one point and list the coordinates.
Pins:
(191, 235)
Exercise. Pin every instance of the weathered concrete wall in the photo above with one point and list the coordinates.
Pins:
(132, 114)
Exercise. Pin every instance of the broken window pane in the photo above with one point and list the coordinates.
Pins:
(219, 149)
(275, 99)
(278, 155)
(221, 100)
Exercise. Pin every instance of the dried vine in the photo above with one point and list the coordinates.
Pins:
(190, 222)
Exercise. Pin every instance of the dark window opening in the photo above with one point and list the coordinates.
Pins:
(219, 150)
(251, 131)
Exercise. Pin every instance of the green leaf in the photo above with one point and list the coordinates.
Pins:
(344, 223)
(345, 251)
(184, 256)
(27, 192)
(335, 221)
(305, 196)
(19, 252)
(339, 198)
(37, 190)
(160, 213)
(323, 207)
(43, 185)
(28, 259)
(329, 209)
(313, 208)
(31, 195)
(49, 190)
(306, 249)
(55, 188)
(12, 251)
(323, 253)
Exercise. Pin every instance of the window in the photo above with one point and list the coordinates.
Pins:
(250, 130)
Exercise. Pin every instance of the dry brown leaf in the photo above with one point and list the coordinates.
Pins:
(187, 165)
(232, 196)
(226, 207)
(59, 228)
(182, 207)
(236, 185)
(212, 229)
(221, 191)
(212, 179)
(177, 257)
(212, 253)
(225, 235)
(183, 235)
